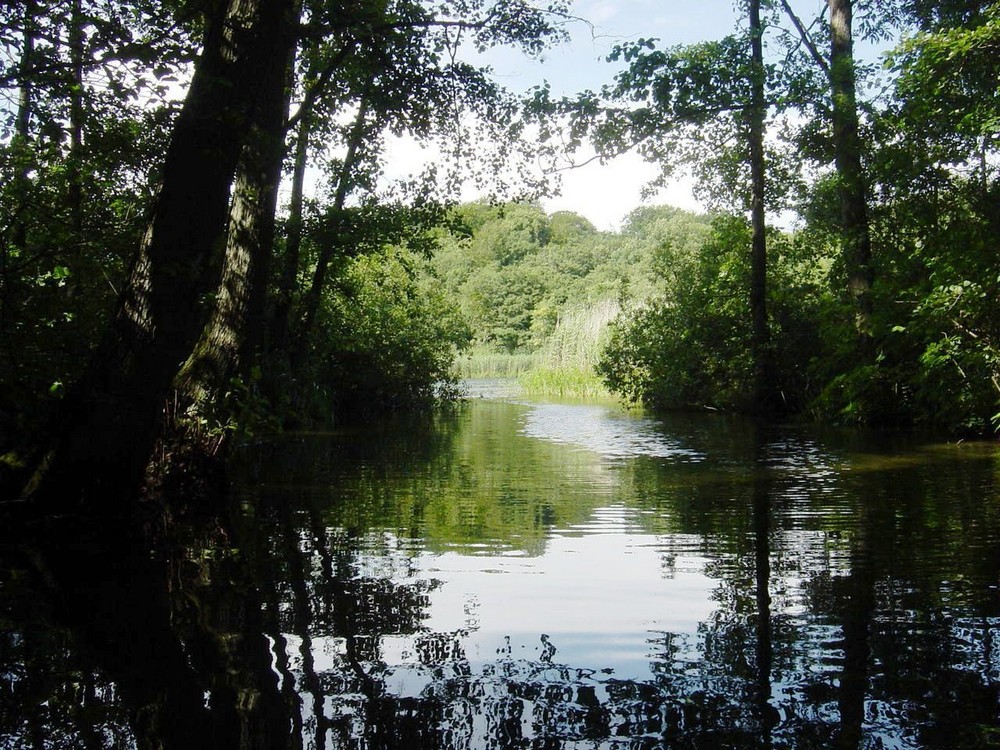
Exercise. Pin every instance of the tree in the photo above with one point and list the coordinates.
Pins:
(851, 179)
(202, 266)
(662, 104)
(938, 188)
(848, 151)
(235, 325)
(760, 338)
(108, 425)
(93, 117)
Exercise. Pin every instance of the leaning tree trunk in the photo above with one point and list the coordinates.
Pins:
(760, 335)
(311, 303)
(108, 426)
(235, 329)
(856, 235)
(280, 324)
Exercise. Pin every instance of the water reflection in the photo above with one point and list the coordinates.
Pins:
(501, 578)
(604, 431)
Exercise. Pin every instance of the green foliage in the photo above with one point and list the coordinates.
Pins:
(947, 78)
(687, 348)
(388, 336)
(538, 291)
(932, 356)
(90, 118)
(76, 147)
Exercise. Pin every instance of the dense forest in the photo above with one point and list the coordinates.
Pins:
(165, 283)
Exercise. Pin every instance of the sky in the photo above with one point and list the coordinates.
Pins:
(603, 193)
(606, 193)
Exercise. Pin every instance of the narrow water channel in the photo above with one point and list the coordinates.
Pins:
(509, 574)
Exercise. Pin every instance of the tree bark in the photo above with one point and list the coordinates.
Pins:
(234, 331)
(106, 431)
(760, 333)
(856, 235)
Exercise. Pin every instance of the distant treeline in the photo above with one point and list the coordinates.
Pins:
(659, 314)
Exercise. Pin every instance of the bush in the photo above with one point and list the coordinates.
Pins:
(388, 337)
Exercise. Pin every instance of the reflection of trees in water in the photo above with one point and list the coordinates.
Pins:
(519, 703)
(177, 634)
(277, 623)
(436, 698)
(865, 570)
(46, 699)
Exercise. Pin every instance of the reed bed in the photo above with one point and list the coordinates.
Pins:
(564, 382)
(486, 363)
(564, 363)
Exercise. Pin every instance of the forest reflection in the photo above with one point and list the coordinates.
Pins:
(483, 580)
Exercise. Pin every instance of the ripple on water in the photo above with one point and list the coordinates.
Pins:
(604, 431)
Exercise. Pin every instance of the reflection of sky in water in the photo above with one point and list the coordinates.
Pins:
(537, 632)
(597, 599)
(602, 430)
(806, 468)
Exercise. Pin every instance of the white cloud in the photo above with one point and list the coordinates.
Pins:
(606, 193)
(603, 193)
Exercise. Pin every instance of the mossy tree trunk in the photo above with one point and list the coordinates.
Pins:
(234, 333)
(104, 435)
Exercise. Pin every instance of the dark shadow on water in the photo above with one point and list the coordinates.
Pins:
(852, 597)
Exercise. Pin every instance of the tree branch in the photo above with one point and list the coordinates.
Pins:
(806, 39)
(314, 91)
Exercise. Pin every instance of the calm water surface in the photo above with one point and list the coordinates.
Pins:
(528, 575)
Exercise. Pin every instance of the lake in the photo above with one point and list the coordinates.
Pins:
(509, 574)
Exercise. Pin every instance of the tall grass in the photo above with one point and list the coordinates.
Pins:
(563, 365)
(565, 382)
(579, 335)
(489, 363)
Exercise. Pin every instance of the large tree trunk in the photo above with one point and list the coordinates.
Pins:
(847, 150)
(760, 333)
(109, 424)
(234, 331)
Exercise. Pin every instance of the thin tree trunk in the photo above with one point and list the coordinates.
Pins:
(293, 240)
(856, 247)
(21, 182)
(315, 293)
(22, 127)
(760, 333)
(76, 52)
(109, 423)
